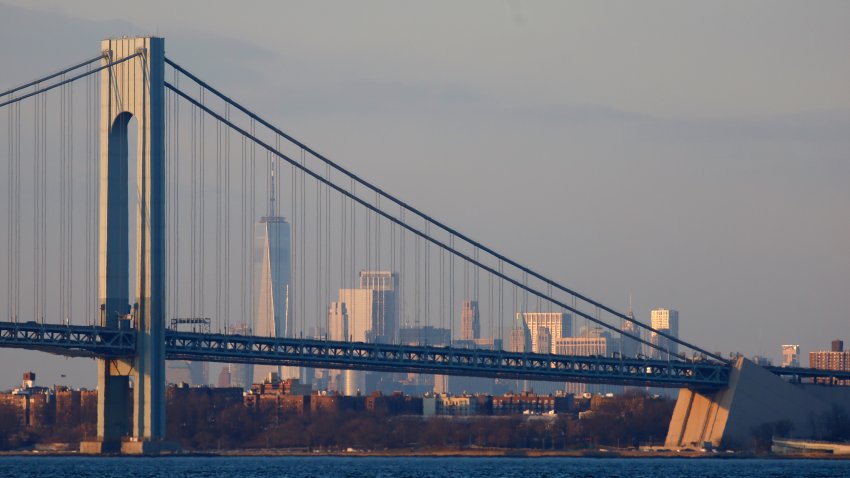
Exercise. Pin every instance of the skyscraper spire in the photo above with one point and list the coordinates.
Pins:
(271, 197)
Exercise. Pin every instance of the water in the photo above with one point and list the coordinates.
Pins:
(233, 467)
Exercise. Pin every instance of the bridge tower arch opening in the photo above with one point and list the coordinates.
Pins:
(132, 96)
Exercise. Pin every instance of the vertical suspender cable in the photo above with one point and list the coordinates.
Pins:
(490, 305)
(428, 276)
(70, 192)
(401, 259)
(177, 195)
(303, 278)
(452, 289)
(62, 173)
(416, 292)
(368, 229)
(217, 227)
(43, 232)
(16, 269)
(475, 272)
(252, 217)
(9, 193)
(244, 213)
(353, 219)
(327, 244)
(319, 249)
(294, 244)
(36, 206)
(202, 199)
(226, 231)
(501, 305)
(442, 310)
(194, 213)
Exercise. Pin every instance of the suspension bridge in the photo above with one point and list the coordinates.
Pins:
(137, 192)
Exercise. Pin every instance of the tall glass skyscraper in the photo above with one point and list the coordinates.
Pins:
(272, 260)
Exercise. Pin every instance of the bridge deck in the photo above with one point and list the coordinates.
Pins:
(93, 341)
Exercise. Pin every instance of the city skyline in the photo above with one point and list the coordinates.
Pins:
(777, 210)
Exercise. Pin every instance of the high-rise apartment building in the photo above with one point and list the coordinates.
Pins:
(558, 324)
(790, 355)
(836, 359)
(666, 321)
(470, 324)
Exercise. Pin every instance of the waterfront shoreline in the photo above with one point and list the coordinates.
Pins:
(466, 453)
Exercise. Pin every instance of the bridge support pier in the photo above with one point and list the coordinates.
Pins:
(132, 90)
(728, 418)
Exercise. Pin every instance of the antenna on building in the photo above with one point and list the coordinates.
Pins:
(630, 313)
(271, 196)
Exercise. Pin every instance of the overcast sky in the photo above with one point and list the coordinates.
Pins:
(693, 154)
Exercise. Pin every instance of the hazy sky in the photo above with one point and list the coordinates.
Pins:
(696, 155)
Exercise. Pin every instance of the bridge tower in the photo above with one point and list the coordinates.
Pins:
(132, 90)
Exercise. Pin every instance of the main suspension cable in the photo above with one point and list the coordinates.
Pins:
(443, 226)
(52, 75)
(356, 199)
(67, 80)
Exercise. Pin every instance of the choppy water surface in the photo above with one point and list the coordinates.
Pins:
(232, 467)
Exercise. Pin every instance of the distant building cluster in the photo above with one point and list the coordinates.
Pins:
(372, 312)
(43, 407)
(39, 407)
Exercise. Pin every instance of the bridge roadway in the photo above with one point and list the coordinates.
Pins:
(95, 341)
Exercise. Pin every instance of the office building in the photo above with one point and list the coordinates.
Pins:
(542, 341)
(593, 341)
(241, 374)
(192, 373)
(372, 308)
(666, 321)
(558, 324)
(470, 323)
(186, 371)
(338, 322)
(630, 346)
(371, 316)
(384, 328)
(424, 335)
(520, 337)
(272, 259)
(224, 377)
